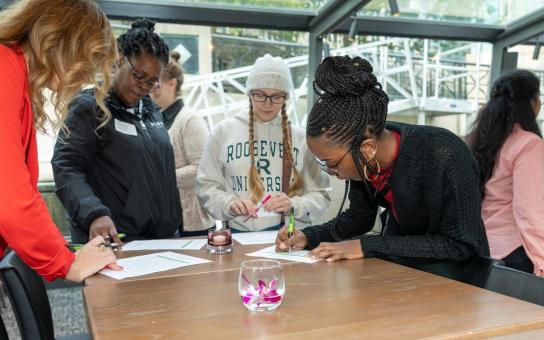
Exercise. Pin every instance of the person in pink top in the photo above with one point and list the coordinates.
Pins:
(507, 143)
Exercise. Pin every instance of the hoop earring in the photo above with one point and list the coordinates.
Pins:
(365, 171)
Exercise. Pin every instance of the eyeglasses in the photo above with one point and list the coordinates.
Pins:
(331, 170)
(151, 83)
(274, 99)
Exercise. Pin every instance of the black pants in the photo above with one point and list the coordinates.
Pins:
(519, 260)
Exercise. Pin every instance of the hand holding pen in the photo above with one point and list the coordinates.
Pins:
(296, 241)
(112, 245)
(91, 258)
(105, 227)
(291, 226)
(74, 247)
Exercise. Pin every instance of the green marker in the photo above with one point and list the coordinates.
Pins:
(121, 235)
(291, 227)
(75, 246)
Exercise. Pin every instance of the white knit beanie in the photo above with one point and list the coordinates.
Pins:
(269, 72)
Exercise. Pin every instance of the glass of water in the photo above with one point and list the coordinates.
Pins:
(261, 284)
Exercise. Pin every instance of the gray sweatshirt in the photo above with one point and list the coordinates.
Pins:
(223, 173)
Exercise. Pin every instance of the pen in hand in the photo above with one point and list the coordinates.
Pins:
(260, 205)
(113, 246)
(108, 244)
(74, 247)
(291, 227)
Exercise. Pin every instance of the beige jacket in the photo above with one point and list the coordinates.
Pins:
(188, 135)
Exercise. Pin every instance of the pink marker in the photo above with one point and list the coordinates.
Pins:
(263, 202)
(260, 205)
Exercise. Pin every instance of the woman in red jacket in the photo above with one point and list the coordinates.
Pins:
(60, 45)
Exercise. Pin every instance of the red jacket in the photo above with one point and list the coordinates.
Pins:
(25, 223)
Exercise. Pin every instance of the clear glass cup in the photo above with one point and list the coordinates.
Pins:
(261, 284)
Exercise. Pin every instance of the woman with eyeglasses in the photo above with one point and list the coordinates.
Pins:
(424, 177)
(118, 176)
(259, 157)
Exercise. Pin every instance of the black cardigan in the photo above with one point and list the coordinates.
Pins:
(435, 188)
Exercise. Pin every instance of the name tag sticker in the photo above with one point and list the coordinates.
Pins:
(125, 128)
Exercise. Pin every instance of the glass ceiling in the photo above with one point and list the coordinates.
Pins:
(488, 12)
(491, 12)
(309, 5)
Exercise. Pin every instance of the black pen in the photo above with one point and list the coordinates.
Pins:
(109, 244)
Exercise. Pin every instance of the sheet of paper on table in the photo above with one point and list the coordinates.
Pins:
(263, 213)
(152, 263)
(256, 237)
(270, 253)
(179, 244)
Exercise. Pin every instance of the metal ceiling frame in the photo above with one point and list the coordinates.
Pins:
(332, 17)
(424, 29)
(299, 20)
(209, 14)
(517, 32)
(295, 19)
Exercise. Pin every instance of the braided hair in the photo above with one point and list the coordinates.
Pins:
(140, 39)
(352, 106)
(510, 103)
(298, 182)
(256, 187)
(352, 102)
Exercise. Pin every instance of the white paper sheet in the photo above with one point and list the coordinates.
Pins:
(270, 253)
(257, 237)
(180, 244)
(152, 263)
(263, 213)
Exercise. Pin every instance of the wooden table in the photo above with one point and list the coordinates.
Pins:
(366, 298)
(230, 261)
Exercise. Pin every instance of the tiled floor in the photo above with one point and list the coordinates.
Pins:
(67, 310)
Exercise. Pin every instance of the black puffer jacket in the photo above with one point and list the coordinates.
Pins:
(124, 170)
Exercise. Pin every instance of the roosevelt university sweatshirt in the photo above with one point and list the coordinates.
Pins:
(223, 174)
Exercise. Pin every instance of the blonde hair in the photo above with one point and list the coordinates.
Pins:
(256, 187)
(172, 70)
(69, 41)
